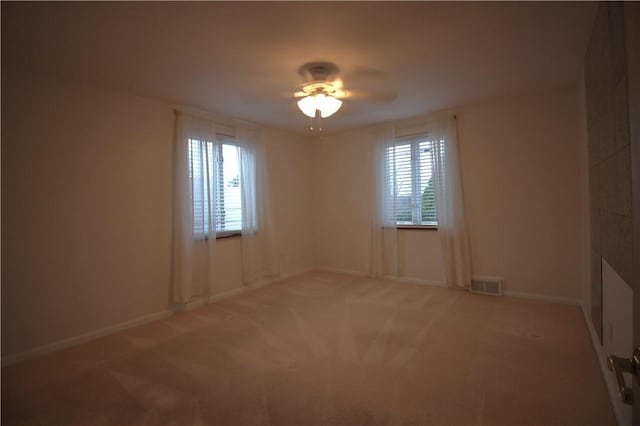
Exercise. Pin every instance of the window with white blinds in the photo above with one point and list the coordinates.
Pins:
(228, 200)
(214, 170)
(409, 191)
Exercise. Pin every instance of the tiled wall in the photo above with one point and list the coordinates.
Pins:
(609, 151)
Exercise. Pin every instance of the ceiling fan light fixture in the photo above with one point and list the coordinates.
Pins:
(308, 106)
(326, 104)
(329, 106)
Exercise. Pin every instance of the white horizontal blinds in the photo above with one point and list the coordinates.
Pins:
(229, 200)
(224, 187)
(200, 172)
(409, 191)
(427, 212)
(390, 186)
(401, 188)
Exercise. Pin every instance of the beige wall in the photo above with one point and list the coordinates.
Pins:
(342, 206)
(87, 190)
(86, 187)
(290, 173)
(521, 172)
(420, 256)
(521, 162)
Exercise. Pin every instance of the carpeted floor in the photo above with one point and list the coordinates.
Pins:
(326, 349)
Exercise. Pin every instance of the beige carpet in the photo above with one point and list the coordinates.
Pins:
(326, 349)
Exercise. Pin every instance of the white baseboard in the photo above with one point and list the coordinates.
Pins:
(92, 335)
(229, 293)
(418, 281)
(82, 338)
(602, 361)
(198, 302)
(341, 271)
(288, 275)
(544, 298)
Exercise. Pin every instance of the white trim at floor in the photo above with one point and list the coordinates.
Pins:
(419, 281)
(112, 329)
(341, 271)
(608, 376)
(542, 297)
(65, 343)
(399, 279)
(82, 338)
(436, 283)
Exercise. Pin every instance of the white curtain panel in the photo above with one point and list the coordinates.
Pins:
(188, 156)
(384, 237)
(258, 247)
(450, 210)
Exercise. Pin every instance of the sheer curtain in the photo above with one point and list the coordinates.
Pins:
(450, 210)
(195, 165)
(384, 237)
(258, 247)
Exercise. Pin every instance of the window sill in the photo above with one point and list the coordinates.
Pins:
(419, 227)
(228, 234)
(220, 235)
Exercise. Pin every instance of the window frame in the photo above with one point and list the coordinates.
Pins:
(219, 183)
(226, 140)
(414, 142)
(425, 227)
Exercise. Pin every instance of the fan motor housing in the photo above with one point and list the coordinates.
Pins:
(315, 72)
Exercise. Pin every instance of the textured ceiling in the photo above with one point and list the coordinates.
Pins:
(241, 59)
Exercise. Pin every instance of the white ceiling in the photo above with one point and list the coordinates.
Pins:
(241, 59)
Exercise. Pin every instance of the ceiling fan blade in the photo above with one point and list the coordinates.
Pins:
(382, 96)
(370, 84)
(267, 96)
(363, 73)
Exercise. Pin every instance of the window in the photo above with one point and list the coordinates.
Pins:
(214, 170)
(408, 180)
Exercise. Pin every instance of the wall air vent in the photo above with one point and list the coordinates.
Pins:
(491, 286)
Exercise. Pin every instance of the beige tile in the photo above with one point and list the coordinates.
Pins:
(617, 243)
(620, 113)
(617, 41)
(621, 203)
(596, 293)
(595, 230)
(615, 178)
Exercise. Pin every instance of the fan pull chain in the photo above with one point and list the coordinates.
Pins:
(319, 124)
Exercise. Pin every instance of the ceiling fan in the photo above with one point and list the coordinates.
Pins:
(323, 90)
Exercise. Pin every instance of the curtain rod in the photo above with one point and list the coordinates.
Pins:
(417, 121)
(226, 121)
(411, 135)
(417, 124)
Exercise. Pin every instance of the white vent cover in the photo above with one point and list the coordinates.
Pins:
(487, 285)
